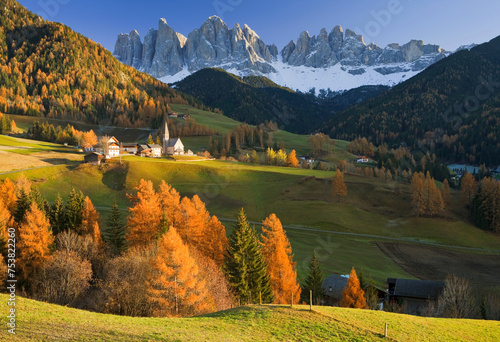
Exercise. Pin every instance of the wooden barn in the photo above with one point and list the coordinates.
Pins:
(93, 158)
(414, 295)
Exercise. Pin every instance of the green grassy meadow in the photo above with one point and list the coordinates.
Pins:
(299, 197)
(38, 321)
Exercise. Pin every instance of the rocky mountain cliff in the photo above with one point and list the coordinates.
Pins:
(165, 52)
(339, 56)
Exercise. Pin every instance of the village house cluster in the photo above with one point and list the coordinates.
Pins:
(109, 148)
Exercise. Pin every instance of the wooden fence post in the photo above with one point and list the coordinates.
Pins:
(311, 300)
(292, 301)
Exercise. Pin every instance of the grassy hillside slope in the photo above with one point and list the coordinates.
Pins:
(38, 321)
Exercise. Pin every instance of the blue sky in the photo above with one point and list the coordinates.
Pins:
(449, 23)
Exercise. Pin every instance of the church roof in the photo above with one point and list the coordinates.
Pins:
(172, 142)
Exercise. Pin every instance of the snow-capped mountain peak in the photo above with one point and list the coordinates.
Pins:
(337, 60)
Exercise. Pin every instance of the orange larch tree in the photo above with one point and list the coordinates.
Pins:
(215, 241)
(90, 217)
(445, 192)
(89, 140)
(353, 295)
(292, 160)
(338, 186)
(281, 269)
(174, 288)
(435, 203)
(8, 194)
(35, 238)
(418, 197)
(170, 201)
(144, 221)
(6, 221)
(468, 188)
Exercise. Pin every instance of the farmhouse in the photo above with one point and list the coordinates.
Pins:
(363, 159)
(129, 148)
(334, 285)
(93, 158)
(414, 295)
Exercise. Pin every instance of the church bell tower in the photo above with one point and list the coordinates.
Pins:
(166, 135)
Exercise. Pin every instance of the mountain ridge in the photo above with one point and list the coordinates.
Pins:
(450, 109)
(343, 55)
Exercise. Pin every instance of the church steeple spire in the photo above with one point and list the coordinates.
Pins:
(166, 134)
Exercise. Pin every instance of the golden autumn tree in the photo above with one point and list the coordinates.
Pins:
(215, 241)
(144, 221)
(13, 127)
(89, 140)
(338, 186)
(353, 295)
(445, 192)
(174, 288)
(196, 217)
(292, 160)
(170, 202)
(6, 221)
(90, 217)
(427, 199)
(35, 238)
(8, 194)
(418, 198)
(280, 265)
(434, 199)
(468, 188)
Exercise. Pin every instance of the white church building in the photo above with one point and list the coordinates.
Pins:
(172, 146)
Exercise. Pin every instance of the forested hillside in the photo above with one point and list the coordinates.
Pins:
(452, 108)
(253, 99)
(47, 69)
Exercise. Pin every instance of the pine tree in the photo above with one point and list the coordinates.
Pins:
(114, 235)
(353, 295)
(158, 140)
(23, 203)
(277, 252)
(150, 140)
(35, 238)
(314, 282)
(338, 186)
(175, 289)
(245, 265)
(292, 160)
(145, 218)
(57, 216)
(74, 209)
(485, 207)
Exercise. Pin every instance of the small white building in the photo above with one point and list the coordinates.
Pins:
(363, 159)
(113, 148)
(155, 150)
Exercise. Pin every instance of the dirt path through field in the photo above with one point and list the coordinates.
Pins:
(434, 263)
